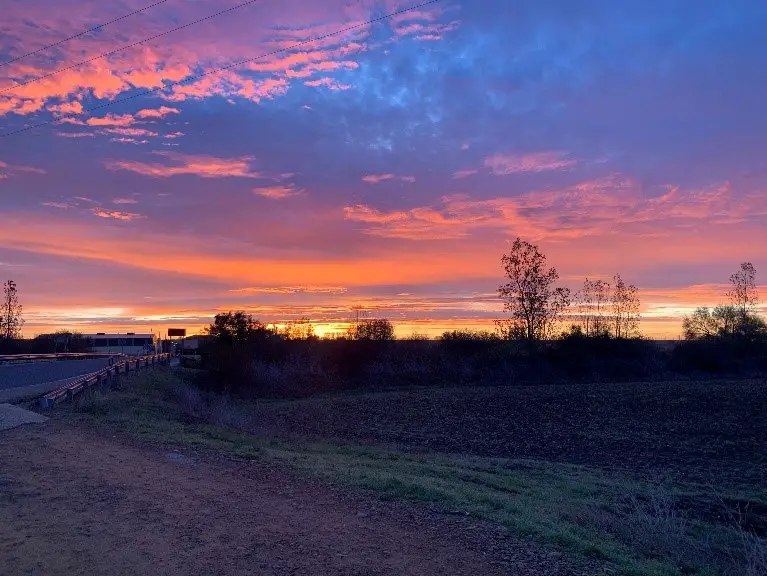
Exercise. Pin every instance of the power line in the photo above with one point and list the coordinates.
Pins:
(111, 52)
(99, 27)
(220, 69)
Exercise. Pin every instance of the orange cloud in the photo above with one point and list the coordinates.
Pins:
(198, 165)
(111, 120)
(72, 107)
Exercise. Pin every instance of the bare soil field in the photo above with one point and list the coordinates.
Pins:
(696, 431)
(78, 501)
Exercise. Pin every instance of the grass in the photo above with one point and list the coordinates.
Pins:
(629, 523)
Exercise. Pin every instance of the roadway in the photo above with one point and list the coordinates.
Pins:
(38, 377)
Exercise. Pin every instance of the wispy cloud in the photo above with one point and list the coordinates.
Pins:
(595, 207)
(116, 215)
(329, 83)
(188, 164)
(291, 290)
(505, 164)
(160, 112)
(278, 192)
(378, 178)
(7, 170)
(464, 173)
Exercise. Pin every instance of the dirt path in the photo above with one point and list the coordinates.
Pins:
(75, 502)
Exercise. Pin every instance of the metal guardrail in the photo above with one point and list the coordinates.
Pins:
(23, 358)
(68, 391)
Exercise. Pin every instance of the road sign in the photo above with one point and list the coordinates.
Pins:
(179, 332)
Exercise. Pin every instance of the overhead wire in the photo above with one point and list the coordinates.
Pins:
(94, 29)
(126, 47)
(220, 69)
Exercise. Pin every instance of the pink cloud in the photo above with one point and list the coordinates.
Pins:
(464, 173)
(160, 112)
(378, 178)
(6, 170)
(198, 165)
(128, 140)
(594, 208)
(277, 192)
(131, 132)
(291, 290)
(215, 45)
(124, 201)
(75, 134)
(362, 213)
(505, 164)
(115, 215)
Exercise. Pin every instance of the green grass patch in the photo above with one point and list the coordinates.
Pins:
(615, 518)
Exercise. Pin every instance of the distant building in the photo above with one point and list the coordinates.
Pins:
(192, 344)
(130, 343)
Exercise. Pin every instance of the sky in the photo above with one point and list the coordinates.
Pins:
(297, 158)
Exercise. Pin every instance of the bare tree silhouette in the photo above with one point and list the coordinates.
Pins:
(530, 296)
(11, 319)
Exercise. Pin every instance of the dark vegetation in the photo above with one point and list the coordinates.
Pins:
(267, 364)
(62, 341)
(601, 344)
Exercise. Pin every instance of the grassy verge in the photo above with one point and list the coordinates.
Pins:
(639, 528)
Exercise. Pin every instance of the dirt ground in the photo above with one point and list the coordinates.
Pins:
(74, 501)
(709, 432)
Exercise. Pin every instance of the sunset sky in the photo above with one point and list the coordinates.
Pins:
(261, 160)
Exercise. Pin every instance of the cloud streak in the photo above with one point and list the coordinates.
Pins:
(189, 164)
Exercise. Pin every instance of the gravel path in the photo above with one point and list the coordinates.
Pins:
(73, 501)
(13, 416)
(23, 375)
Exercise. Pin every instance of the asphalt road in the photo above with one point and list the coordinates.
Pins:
(23, 375)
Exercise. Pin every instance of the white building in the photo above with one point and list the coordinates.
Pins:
(130, 343)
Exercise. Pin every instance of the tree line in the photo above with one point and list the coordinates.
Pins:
(739, 318)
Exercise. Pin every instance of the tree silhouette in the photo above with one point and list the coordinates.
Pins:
(11, 319)
(236, 328)
(530, 296)
(743, 294)
(625, 309)
(378, 329)
(593, 307)
(736, 319)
